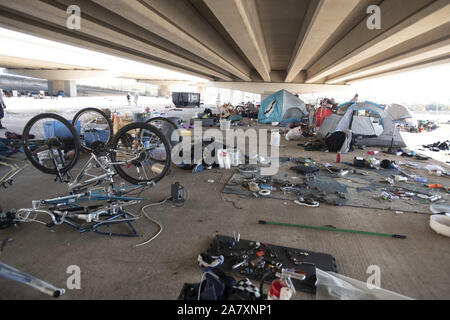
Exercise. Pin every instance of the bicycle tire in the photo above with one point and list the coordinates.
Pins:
(152, 129)
(108, 121)
(171, 123)
(28, 152)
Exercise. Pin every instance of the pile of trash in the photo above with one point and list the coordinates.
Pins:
(438, 146)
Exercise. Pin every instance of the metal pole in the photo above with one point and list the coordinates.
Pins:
(399, 236)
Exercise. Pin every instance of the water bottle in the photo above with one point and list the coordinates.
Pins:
(420, 179)
(275, 138)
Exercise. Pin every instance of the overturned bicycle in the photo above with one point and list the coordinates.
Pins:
(138, 152)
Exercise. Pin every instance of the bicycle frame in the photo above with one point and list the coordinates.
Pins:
(65, 209)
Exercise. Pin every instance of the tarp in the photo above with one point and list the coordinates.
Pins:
(321, 114)
(369, 122)
(281, 106)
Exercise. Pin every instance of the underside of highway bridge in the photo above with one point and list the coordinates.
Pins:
(252, 45)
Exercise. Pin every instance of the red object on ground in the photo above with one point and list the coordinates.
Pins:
(275, 288)
(338, 157)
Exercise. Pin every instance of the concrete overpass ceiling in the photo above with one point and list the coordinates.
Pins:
(310, 41)
(102, 16)
(281, 22)
(439, 61)
(427, 46)
(48, 20)
(356, 14)
(210, 18)
(400, 23)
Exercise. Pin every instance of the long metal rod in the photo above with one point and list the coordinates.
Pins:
(11, 273)
(399, 236)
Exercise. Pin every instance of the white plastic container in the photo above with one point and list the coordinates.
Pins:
(225, 124)
(440, 224)
(224, 159)
(275, 138)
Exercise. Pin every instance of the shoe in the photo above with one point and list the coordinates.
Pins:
(198, 168)
(205, 260)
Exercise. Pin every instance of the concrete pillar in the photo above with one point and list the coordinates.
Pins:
(69, 87)
(218, 103)
(163, 91)
(202, 90)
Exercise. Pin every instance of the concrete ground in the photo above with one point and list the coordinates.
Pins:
(113, 268)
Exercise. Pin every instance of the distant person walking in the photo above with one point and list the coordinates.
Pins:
(2, 107)
(129, 98)
(136, 97)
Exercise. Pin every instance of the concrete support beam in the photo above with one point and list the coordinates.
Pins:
(99, 37)
(414, 67)
(399, 23)
(202, 90)
(159, 82)
(241, 19)
(264, 87)
(164, 91)
(323, 18)
(423, 40)
(178, 22)
(413, 57)
(69, 87)
(63, 74)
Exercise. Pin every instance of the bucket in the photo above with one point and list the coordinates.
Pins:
(225, 124)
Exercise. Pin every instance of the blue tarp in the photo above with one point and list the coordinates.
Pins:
(58, 129)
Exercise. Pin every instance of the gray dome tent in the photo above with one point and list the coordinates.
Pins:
(370, 124)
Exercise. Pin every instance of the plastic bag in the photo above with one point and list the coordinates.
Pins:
(333, 286)
(438, 170)
(224, 159)
(294, 134)
(440, 208)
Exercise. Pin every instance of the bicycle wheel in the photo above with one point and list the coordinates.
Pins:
(168, 128)
(140, 153)
(50, 142)
(95, 126)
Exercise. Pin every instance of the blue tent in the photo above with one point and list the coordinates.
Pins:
(281, 106)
